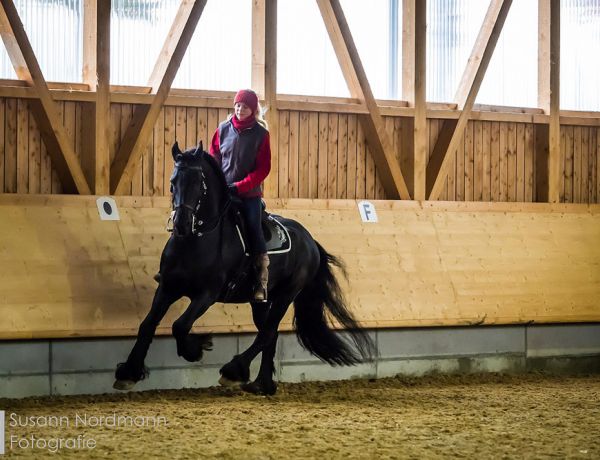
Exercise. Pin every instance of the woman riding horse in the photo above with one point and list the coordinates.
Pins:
(205, 253)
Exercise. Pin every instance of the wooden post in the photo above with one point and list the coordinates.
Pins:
(554, 169)
(264, 78)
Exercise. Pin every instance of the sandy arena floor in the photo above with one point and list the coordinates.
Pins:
(481, 416)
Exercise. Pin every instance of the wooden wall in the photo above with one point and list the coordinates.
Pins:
(321, 155)
(65, 273)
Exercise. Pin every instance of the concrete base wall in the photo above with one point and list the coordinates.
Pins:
(86, 366)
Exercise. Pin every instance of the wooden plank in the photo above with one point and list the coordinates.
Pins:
(487, 176)
(303, 155)
(35, 156)
(22, 147)
(332, 155)
(585, 146)
(147, 172)
(44, 108)
(358, 84)
(520, 158)
(138, 133)
(352, 157)
(593, 198)
(503, 163)
(563, 164)
(450, 136)
(460, 169)
(283, 152)
(10, 146)
(576, 164)
(293, 160)
(541, 133)
(313, 155)
(495, 160)
(529, 163)
(169, 140)
(322, 158)
(469, 162)
(202, 128)
(478, 174)
(569, 163)
(342, 158)
(370, 174)
(180, 127)
(511, 177)
(361, 163)
(159, 156)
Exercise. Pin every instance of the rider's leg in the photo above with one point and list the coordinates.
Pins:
(252, 208)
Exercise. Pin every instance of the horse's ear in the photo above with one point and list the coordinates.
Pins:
(175, 151)
(199, 149)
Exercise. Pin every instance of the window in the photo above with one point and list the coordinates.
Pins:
(54, 28)
(579, 63)
(307, 63)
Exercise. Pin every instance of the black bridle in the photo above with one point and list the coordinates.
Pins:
(199, 226)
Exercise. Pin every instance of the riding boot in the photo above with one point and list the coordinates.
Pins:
(261, 264)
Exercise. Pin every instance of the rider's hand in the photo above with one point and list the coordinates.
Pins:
(232, 189)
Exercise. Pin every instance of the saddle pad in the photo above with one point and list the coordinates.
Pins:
(277, 237)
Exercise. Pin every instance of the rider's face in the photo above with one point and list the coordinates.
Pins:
(242, 111)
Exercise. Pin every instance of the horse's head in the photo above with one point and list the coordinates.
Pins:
(193, 176)
(188, 188)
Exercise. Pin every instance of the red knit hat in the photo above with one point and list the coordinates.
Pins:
(248, 97)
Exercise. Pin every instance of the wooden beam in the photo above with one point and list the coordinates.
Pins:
(544, 55)
(138, 132)
(372, 123)
(452, 130)
(554, 169)
(420, 120)
(102, 126)
(408, 51)
(88, 71)
(44, 109)
(264, 78)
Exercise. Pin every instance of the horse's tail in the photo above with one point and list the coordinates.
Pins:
(320, 299)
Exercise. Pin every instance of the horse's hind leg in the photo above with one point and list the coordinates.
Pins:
(237, 370)
(191, 346)
(265, 341)
(133, 370)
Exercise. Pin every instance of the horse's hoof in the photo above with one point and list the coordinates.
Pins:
(123, 385)
(258, 389)
(225, 382)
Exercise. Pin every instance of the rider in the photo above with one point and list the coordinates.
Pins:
(241, 147)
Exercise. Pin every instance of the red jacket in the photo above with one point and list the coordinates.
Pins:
(255, 177)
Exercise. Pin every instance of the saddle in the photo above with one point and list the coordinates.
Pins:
(276, 235)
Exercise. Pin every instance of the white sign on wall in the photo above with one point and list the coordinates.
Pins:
(107, 208)
(367, 211)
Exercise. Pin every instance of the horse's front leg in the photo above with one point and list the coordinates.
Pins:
(133, 370)
(191, 346)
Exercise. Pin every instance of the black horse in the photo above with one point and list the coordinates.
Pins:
(204, 254)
